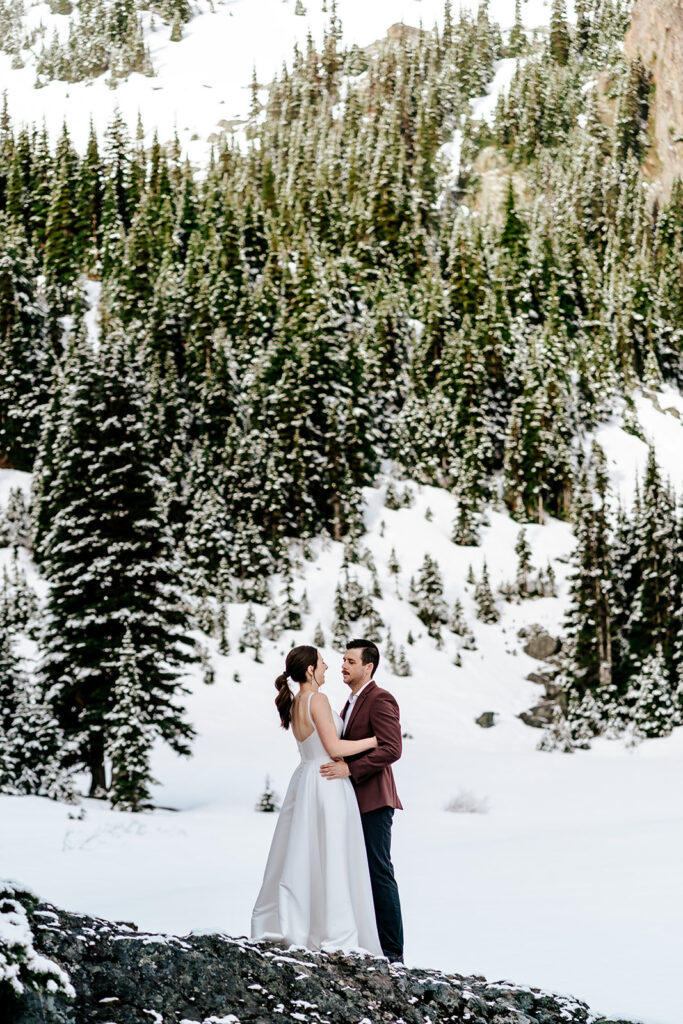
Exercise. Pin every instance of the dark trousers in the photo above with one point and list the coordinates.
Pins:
(377, 832)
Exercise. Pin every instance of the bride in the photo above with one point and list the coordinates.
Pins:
(316, 887)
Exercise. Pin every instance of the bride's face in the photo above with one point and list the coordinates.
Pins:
(320, 670)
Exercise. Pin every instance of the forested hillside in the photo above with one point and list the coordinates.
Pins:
(331, 296)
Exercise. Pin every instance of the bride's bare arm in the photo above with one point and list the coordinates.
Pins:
(321, 713)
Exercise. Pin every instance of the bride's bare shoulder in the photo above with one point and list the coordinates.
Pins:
(320, 701)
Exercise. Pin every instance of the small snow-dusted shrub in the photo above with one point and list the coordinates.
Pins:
(21, 967)
(465, 802)
(269, 801)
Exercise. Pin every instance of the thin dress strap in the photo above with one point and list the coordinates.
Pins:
(309, 711)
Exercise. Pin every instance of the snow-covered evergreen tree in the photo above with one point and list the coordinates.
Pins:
(33, 751)
(130, 733)
(484, 599)
(653, 711)
(108, 560)
(250, 637)
(523, 552)
(268, 802)
(426, 594)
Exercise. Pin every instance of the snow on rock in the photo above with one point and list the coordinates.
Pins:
(218, 980)
(21, 967)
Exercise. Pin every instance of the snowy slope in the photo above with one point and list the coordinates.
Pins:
(569, 876)
(202, 83)
(660, 421)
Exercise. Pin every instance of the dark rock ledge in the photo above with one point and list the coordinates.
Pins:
(123, 976)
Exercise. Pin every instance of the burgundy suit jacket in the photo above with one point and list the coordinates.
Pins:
(375, 713)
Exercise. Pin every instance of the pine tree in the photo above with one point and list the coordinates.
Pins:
(426, 594)
(518, 41)
(289, 610)
(107, 557)
(16, 520)
(471, 489)
(223, 626)
(373, 626)
(394, 567)
(61, 261)
(538, 466)
(130, 734)
(356, 602)
(458, 625)
(590, 621)
(523, 552)
(651, 608)
(402, 668)
(633, 108)
(340, 624)
(268, 801)
(392, 499)
(559, 32)
(176, 30)
(18, 600)
(25, 355)
(484, 599)
(318, 636)
(208, 671)
(653, 711)
(583, 24)
(33, 751)
(250, 637)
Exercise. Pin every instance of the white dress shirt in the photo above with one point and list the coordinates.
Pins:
(352, 700)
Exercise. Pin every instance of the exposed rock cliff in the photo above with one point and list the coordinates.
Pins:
(656, 33)
(123, 976)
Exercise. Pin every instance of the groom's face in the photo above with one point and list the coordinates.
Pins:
(354, 672)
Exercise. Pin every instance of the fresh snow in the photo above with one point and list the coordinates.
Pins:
(202, 83)
(567, 878)
(484, 107)
(18, 958)
(659, 418)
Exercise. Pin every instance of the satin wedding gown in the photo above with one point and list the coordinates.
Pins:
(316, 887)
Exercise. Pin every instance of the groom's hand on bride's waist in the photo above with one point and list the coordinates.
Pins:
(335, 770)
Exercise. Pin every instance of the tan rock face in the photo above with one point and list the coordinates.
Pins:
(656, 33)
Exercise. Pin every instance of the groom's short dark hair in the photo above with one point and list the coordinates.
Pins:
(369, 652)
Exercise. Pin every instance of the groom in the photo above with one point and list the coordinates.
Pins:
(371, 711)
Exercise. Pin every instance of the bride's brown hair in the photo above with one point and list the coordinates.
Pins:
(297, 663)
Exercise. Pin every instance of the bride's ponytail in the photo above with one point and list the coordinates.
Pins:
(297, 663)
(283, 701)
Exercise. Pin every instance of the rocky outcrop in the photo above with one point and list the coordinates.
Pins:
(539, 643)
(123, 976)
(540, 715)
(656, 33)
(487, 719)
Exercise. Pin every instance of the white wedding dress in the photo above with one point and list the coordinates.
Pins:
(316, 887)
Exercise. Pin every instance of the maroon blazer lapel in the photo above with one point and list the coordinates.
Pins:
(372, 684)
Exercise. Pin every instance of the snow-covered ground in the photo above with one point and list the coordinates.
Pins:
(567, 878)
(201, 84)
